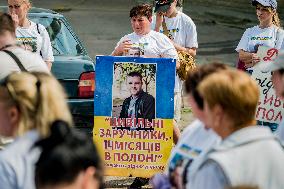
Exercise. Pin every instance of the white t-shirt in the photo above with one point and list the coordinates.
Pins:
(17, 162)
(152, 45)
(256, 36)
(36, 39)
(31, 61)
(195, 141)
(182, 30)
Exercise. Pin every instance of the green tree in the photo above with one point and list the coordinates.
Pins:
(148, 72)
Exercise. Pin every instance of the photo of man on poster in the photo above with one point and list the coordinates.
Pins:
(139, 104)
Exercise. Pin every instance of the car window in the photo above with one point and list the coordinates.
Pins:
(62, 40)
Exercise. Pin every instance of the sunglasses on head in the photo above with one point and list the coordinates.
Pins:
(263, 8)
(16, 6)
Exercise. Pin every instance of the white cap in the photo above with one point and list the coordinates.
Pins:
(271, 66)
(266, 3)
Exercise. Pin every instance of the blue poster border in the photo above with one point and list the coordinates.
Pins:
(165, 81)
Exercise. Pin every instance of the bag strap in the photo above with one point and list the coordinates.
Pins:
(37, 27)
(20, 65)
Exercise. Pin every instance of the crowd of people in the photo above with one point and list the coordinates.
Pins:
(230, 149)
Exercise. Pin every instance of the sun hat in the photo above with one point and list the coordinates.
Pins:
(271, 66)
(266, 3)
(162, 5)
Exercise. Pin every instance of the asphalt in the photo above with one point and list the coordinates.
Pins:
(100, 24)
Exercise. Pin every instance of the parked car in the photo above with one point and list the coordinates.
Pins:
(72, 65)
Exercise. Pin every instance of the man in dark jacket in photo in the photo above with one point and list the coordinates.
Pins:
(140, 104)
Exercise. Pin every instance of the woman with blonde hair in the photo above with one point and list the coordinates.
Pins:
(29, 104)
(267, 33)
(33, 36)
(248, 155)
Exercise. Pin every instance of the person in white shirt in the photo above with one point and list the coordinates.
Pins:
(195, 140)
(277, 69)
(30, 61)
(32, 36)
(267, 33)
(144, 42)
(181, 30)
(29, 104)
(248, 155)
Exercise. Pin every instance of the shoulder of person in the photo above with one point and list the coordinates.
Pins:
(281, 30)
(27, 56)
(158, 35)
(185, 16)
(147, 96)
(38, 26)
(195, 125)
(250, 30)
(128, 36)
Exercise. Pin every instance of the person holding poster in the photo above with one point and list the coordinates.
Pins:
(267, 33)
(140, 104)
(195, 140)
(144, 42)
(277, 69)
(248, 155)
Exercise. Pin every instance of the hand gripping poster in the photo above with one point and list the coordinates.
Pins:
(134, 107)
(270, 108)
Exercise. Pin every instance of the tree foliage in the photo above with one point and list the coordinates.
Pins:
(148, 72)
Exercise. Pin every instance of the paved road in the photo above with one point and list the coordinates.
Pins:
(100, 24)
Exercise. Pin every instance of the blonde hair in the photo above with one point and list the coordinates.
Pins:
(276, 20)
(234, 91)
(39, 98)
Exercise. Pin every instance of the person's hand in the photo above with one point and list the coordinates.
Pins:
(159, 20)
(160, 181)
(160, 17)
(254, 60)
(15, 18)
(122, 48)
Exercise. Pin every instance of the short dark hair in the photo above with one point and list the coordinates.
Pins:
(135, 74)
(141, 10)
(65, 153)
(6, 23)
(197, 75)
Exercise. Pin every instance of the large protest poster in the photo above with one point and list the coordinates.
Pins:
(133, 121)
(270, 108)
